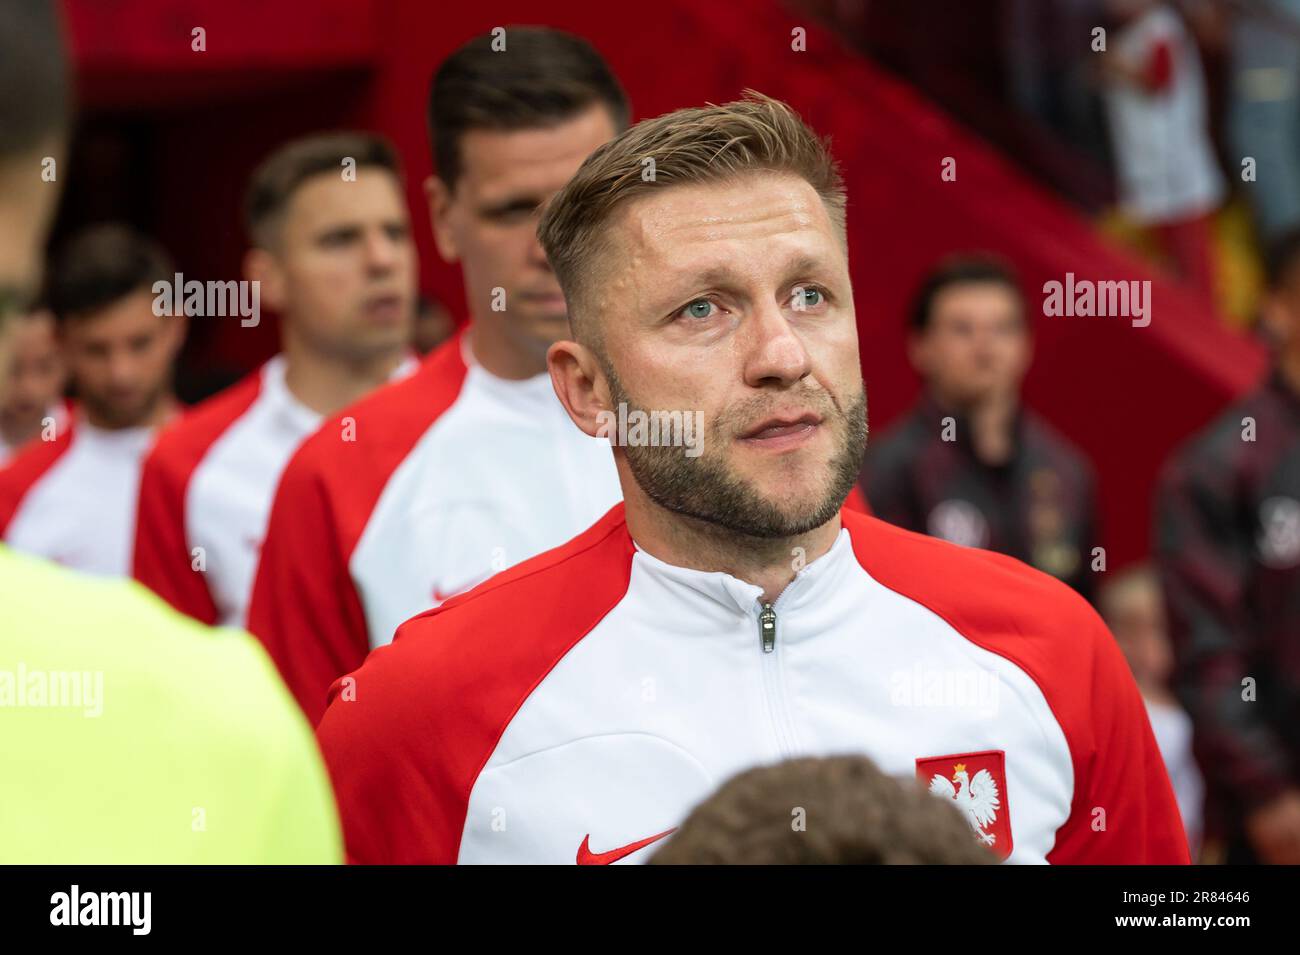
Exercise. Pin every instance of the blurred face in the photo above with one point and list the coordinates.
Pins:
(1138, 623)
(343, 269)
(36, 375)
(119, 359)
(733, 300)
(26, 207)
(976, 347)
(489, 222)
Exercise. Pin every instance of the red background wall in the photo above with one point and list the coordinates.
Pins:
(198, 122)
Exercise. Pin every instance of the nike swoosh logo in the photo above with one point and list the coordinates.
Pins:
(587, 857)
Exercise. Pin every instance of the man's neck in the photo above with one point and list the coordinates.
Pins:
(327, 384)
(769, 563)
(499, 356)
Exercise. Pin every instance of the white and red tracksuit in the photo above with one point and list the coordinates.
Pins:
(419, 491)
(576, 707)
(72, 500)
(206, 491)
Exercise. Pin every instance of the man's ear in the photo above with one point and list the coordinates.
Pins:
(581, 386)
(262, 267)
(439, 199)
(916, 352)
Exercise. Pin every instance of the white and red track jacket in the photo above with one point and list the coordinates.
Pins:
(56, 413)
(419, 491)
(576, 707)
(205, 493)
(72, 500)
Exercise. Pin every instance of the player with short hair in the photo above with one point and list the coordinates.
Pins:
(333, 255)
(469, 465)
(72, 499)
(34, 400)
(128, 734)
(730, 614)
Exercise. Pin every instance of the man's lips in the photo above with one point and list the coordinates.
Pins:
(783, 431)
(384, 307)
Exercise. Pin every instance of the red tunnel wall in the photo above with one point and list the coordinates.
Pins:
(271, 71)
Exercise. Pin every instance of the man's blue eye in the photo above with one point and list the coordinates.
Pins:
(700, 308)
(807, 298)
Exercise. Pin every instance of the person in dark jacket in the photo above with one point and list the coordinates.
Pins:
(1227, 542)
(970, 463)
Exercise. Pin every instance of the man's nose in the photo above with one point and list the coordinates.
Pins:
(122, 368)
(777, 354)
(381, 253)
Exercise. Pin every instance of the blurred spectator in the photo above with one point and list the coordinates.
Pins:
(840, 810)
(34, 387)
(1155, 100)
(73, 499)
(1228, 546)
(433, 324)
(970, 464)
(1133, 608)
(1264, 108)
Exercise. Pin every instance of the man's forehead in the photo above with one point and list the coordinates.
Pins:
(499, 163)
(691, 225)
(328, 195)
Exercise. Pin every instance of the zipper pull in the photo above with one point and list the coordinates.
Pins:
(767, 628)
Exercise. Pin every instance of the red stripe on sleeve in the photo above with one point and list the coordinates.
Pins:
(163, 561)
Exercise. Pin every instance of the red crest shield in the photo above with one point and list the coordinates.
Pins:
(976, 783)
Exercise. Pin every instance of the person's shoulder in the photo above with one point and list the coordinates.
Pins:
(510, 630)
(22, 472)
(1055, 445)
(991, 599)
(215, 682)
(374, 433)
(1213, 455)
(181, 442)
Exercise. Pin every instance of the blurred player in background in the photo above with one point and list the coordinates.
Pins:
(333, 254)
(153, 740)
(433, 484)
(732, 612)
(970, 463)
(1133, 607)
(1228, 547)
(73, 499)
(34, 391)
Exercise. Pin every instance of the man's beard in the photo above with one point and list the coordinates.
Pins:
(116, 415)
(704, 487)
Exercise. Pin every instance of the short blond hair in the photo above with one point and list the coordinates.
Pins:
(703, 144)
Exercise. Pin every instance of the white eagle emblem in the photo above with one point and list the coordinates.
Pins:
(976, 798)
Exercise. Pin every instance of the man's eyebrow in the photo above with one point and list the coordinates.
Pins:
(517, 203)
(720, 276)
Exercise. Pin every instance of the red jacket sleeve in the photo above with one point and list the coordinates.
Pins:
(305, 608)
(1124, 812)
(162, 559)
